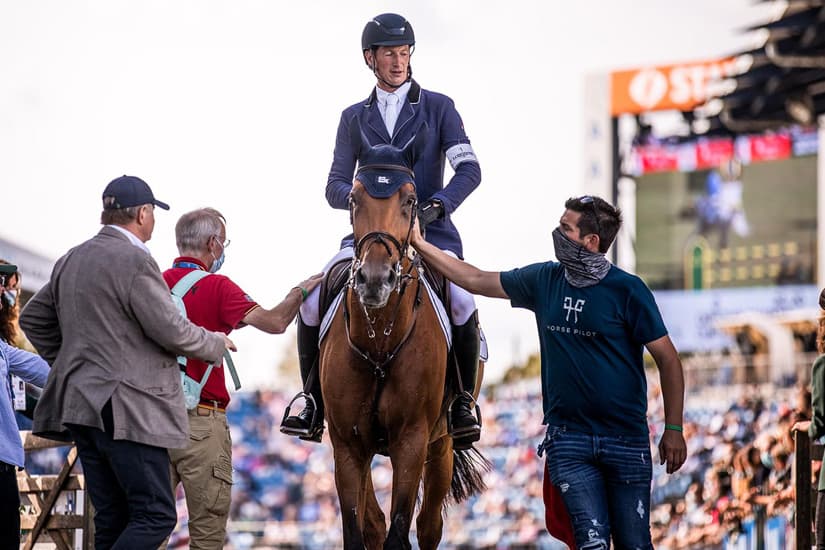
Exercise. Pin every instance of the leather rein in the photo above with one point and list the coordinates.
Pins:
(381, 361)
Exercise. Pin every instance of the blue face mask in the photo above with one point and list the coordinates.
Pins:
(11, 297)
(216, 265)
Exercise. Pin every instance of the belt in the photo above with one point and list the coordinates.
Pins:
(5, 467)
(204, 408)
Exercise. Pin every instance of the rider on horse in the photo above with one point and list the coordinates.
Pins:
(397, 109)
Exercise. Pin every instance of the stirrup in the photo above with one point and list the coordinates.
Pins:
(469, 433)
(313, 432)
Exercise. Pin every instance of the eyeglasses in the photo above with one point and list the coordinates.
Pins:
(225, 243)
(587, 199)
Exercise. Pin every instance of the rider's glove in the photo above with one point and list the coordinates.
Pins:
(430, 211)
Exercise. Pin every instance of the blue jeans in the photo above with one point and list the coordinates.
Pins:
(605, 484)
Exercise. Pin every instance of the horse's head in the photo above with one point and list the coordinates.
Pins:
(382, 207)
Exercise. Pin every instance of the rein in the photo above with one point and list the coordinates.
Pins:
(380, 364)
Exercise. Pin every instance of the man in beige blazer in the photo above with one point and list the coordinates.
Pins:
(106, 324)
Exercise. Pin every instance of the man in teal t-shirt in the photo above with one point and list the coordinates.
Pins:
(594, 321)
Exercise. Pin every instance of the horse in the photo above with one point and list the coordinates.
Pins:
(383, 363)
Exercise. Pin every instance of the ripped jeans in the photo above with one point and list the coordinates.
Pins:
(605, 484)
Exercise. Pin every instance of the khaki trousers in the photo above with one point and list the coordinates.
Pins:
(205, 469)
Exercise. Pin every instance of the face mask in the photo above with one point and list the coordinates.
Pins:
(767, 459)
(216, 265)
(11, 297)
(582, 268)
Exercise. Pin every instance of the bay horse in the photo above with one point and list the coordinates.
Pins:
(383, 363)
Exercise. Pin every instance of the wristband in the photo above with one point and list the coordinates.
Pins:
(304, 292)
(674, 427)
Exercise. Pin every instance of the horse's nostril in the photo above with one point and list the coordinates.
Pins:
(360, 278)
(391, 277)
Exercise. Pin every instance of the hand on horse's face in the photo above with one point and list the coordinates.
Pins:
(415, 234)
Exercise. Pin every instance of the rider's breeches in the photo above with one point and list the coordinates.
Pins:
(310, 307)
(462, 302)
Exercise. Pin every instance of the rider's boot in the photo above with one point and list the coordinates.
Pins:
(465, 426)
(302, 424)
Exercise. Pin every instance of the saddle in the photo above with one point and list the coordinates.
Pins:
(333, 284)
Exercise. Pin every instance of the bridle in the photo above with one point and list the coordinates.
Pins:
(379, 364)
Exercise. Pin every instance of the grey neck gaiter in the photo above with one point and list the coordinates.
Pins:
(582, 268)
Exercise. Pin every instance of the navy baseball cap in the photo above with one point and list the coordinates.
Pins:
(8, 269)
(129, 191)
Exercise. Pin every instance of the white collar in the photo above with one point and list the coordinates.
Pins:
(132, 238)
(400, 93)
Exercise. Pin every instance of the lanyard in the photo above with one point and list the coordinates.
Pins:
(189, 265)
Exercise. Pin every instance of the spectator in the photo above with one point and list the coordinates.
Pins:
(816, 426)
(594, 321)
(216, 303)
(106, 325)
(30, 368)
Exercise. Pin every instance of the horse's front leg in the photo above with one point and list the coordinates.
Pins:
(375, 525)
(438, 473)
(408, 451)
(350, 468)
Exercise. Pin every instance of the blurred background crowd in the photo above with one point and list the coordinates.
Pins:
(737, 477)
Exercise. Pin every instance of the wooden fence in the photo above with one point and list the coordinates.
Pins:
(39, 493)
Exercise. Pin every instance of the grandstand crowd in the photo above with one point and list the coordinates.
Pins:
(739, 465)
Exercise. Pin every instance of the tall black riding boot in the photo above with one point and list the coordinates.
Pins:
(309, 423)
(465, 427)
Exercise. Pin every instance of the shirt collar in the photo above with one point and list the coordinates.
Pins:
(400, 93)
(190, 260)
(132, 238)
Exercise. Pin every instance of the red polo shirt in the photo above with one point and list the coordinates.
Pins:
(217, 304)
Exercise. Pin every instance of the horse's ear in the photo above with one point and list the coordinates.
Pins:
(357, 139)
(415, 147)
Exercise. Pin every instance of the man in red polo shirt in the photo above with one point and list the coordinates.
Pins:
(215, 303)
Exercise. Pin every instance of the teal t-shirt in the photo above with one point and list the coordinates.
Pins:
(591, 342)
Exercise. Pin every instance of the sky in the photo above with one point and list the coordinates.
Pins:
(234, 104)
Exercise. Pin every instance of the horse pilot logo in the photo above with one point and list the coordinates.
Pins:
(576, 309)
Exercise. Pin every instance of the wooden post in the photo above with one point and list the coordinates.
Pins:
(802, 492)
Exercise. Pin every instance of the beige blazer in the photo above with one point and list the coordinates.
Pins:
(106, 324)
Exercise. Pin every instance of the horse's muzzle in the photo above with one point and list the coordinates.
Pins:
(374, 284)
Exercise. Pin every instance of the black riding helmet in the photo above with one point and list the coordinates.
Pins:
(387, 29)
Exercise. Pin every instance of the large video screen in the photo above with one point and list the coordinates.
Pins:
(735, 225)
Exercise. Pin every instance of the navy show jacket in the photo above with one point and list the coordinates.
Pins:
(446, 139)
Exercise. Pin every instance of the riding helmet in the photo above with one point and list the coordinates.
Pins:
(387, 29)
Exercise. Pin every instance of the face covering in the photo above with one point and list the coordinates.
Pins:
(11, 297)
(216, 265)
(582, 268)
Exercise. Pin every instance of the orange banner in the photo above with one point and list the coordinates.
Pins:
(682, 87)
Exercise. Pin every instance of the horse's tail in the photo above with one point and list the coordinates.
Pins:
(469, 467)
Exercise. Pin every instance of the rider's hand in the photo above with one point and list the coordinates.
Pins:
(430, 211)
(228, 344)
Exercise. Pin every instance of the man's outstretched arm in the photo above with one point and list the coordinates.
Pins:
(469, 277)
